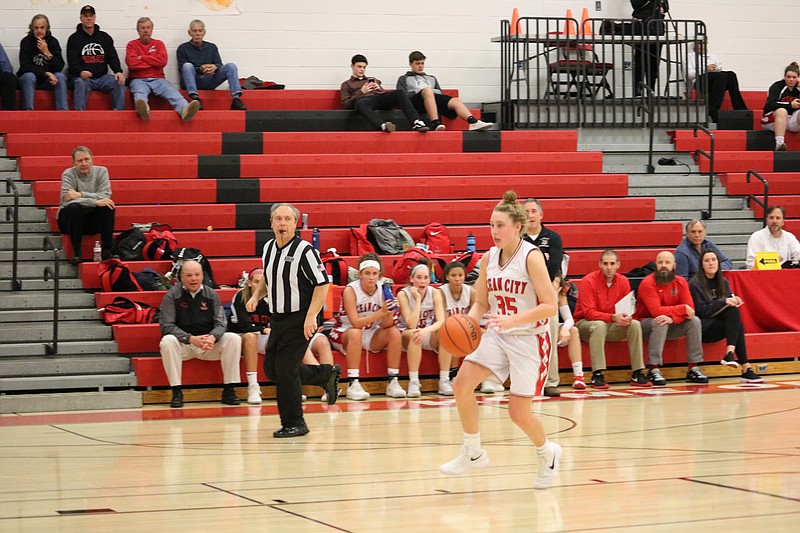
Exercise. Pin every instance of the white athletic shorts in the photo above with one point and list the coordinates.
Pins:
(523, 357)
(337, 335)
(426, 343)
(768, 121)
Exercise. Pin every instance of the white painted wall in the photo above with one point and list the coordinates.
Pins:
(308, 43)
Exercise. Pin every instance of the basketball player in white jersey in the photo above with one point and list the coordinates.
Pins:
(514, 287)
(422, 313)
(367, 321)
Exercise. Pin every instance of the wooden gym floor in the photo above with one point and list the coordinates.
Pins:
(693, 458)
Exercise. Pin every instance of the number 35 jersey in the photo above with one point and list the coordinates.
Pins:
(510, 289)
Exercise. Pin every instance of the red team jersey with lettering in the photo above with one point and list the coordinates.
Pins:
(511, 290)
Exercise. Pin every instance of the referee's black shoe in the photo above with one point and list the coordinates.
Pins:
(290, 431)
(229, 396)
(332, 386)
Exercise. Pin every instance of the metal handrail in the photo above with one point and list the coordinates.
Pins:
(705, 215)
(13, 213)
(751, 197)
(649, 95)
(54, 274)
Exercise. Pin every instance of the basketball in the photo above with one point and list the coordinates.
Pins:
(460, 335)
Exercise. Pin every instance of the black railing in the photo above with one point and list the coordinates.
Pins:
(647, 107)
(705, 215)
(53, 273)
(12, 213)
(557, 73)
(753, 198)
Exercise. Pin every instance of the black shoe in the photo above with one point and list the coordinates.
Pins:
(76, 260)
(197, 99)
(748, 376)
(598, 381)
(656, 377)
(237, 104)
(177, 398)
(229, 396)
(695, 375)
(552, 392)
(729, 360)
(291, 431)
(332, 386)
(638, 379)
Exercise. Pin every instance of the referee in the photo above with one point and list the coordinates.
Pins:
(295, 283)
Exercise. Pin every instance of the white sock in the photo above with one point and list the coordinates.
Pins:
(779, 139)
(393, 372)
(577, 368)
(252, 378)
(353, 374)
(413, 376)
(541, 449)
(472, 441)
(444, 375)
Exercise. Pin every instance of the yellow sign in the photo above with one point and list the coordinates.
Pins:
(767, 261)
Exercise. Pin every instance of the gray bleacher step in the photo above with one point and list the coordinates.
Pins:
(8, 165)
(68, 331)
(639, 166)
(13, 174)
(8, 200)
(65, 348)
(23, 187)
(46, 315)
(685, 215)
(676, 190)
(31, 214)
(46, 366)
(35, 270)
(70, 401)
(697, 202)
(32, 241)
(35, 254)
(41, 285)
(32, 227)
(90, 381)
(663, 181)
(44, 300)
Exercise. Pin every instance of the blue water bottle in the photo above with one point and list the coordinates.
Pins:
(470, 242)
(389, 297)
(315, 239)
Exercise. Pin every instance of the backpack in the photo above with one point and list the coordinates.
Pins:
(160, 242)
(336, 266)
(359, 244)
(125, 311)
(115, 276)
(150, 280)
(182, 254)
(472, 265)
(385, 236)
(642, 271)
(129, 244)
(411, 258)
(435, 236)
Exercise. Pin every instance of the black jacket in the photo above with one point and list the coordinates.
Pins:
(32, 60)
(95, 53)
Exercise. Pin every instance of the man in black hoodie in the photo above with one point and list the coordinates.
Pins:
(40, 64)
(90, 53)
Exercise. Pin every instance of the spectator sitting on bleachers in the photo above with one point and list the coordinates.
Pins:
(8, 83)
(783, 102)
(773, 238)
(718, 310)
(90, 53)
(367, 322)
(598, 320)
(425, 94)
(549, 242)
(719, 80)
(366, 95)
(422, 313)
(200, 67)
(687, 254)
(193, 326)
(146, 58)
(254, 329)
(666, 311)
(40, 64)
(86, 206)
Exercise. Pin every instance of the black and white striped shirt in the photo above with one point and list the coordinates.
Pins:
(291, 273)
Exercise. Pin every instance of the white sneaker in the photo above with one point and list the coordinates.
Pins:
(356, 392)
(303, 397)
(414, 388)
(394, 390)
(549, 462)
(324, 397)
(480, 126)
(464, 462)
(445, 387)
(489, 386)
(254, 394)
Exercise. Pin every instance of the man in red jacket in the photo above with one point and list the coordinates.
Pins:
(666, 310)
(146, 58)
(598, 321)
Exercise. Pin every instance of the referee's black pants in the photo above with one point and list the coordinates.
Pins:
(282, 364)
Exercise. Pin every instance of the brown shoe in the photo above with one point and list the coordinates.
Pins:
(552, 392)
(142, 109)
(190, 110)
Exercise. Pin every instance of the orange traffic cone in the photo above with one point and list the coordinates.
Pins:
(569, 25)
(515, 22)
(586, 26)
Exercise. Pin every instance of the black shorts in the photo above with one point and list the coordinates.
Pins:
(441, 104)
